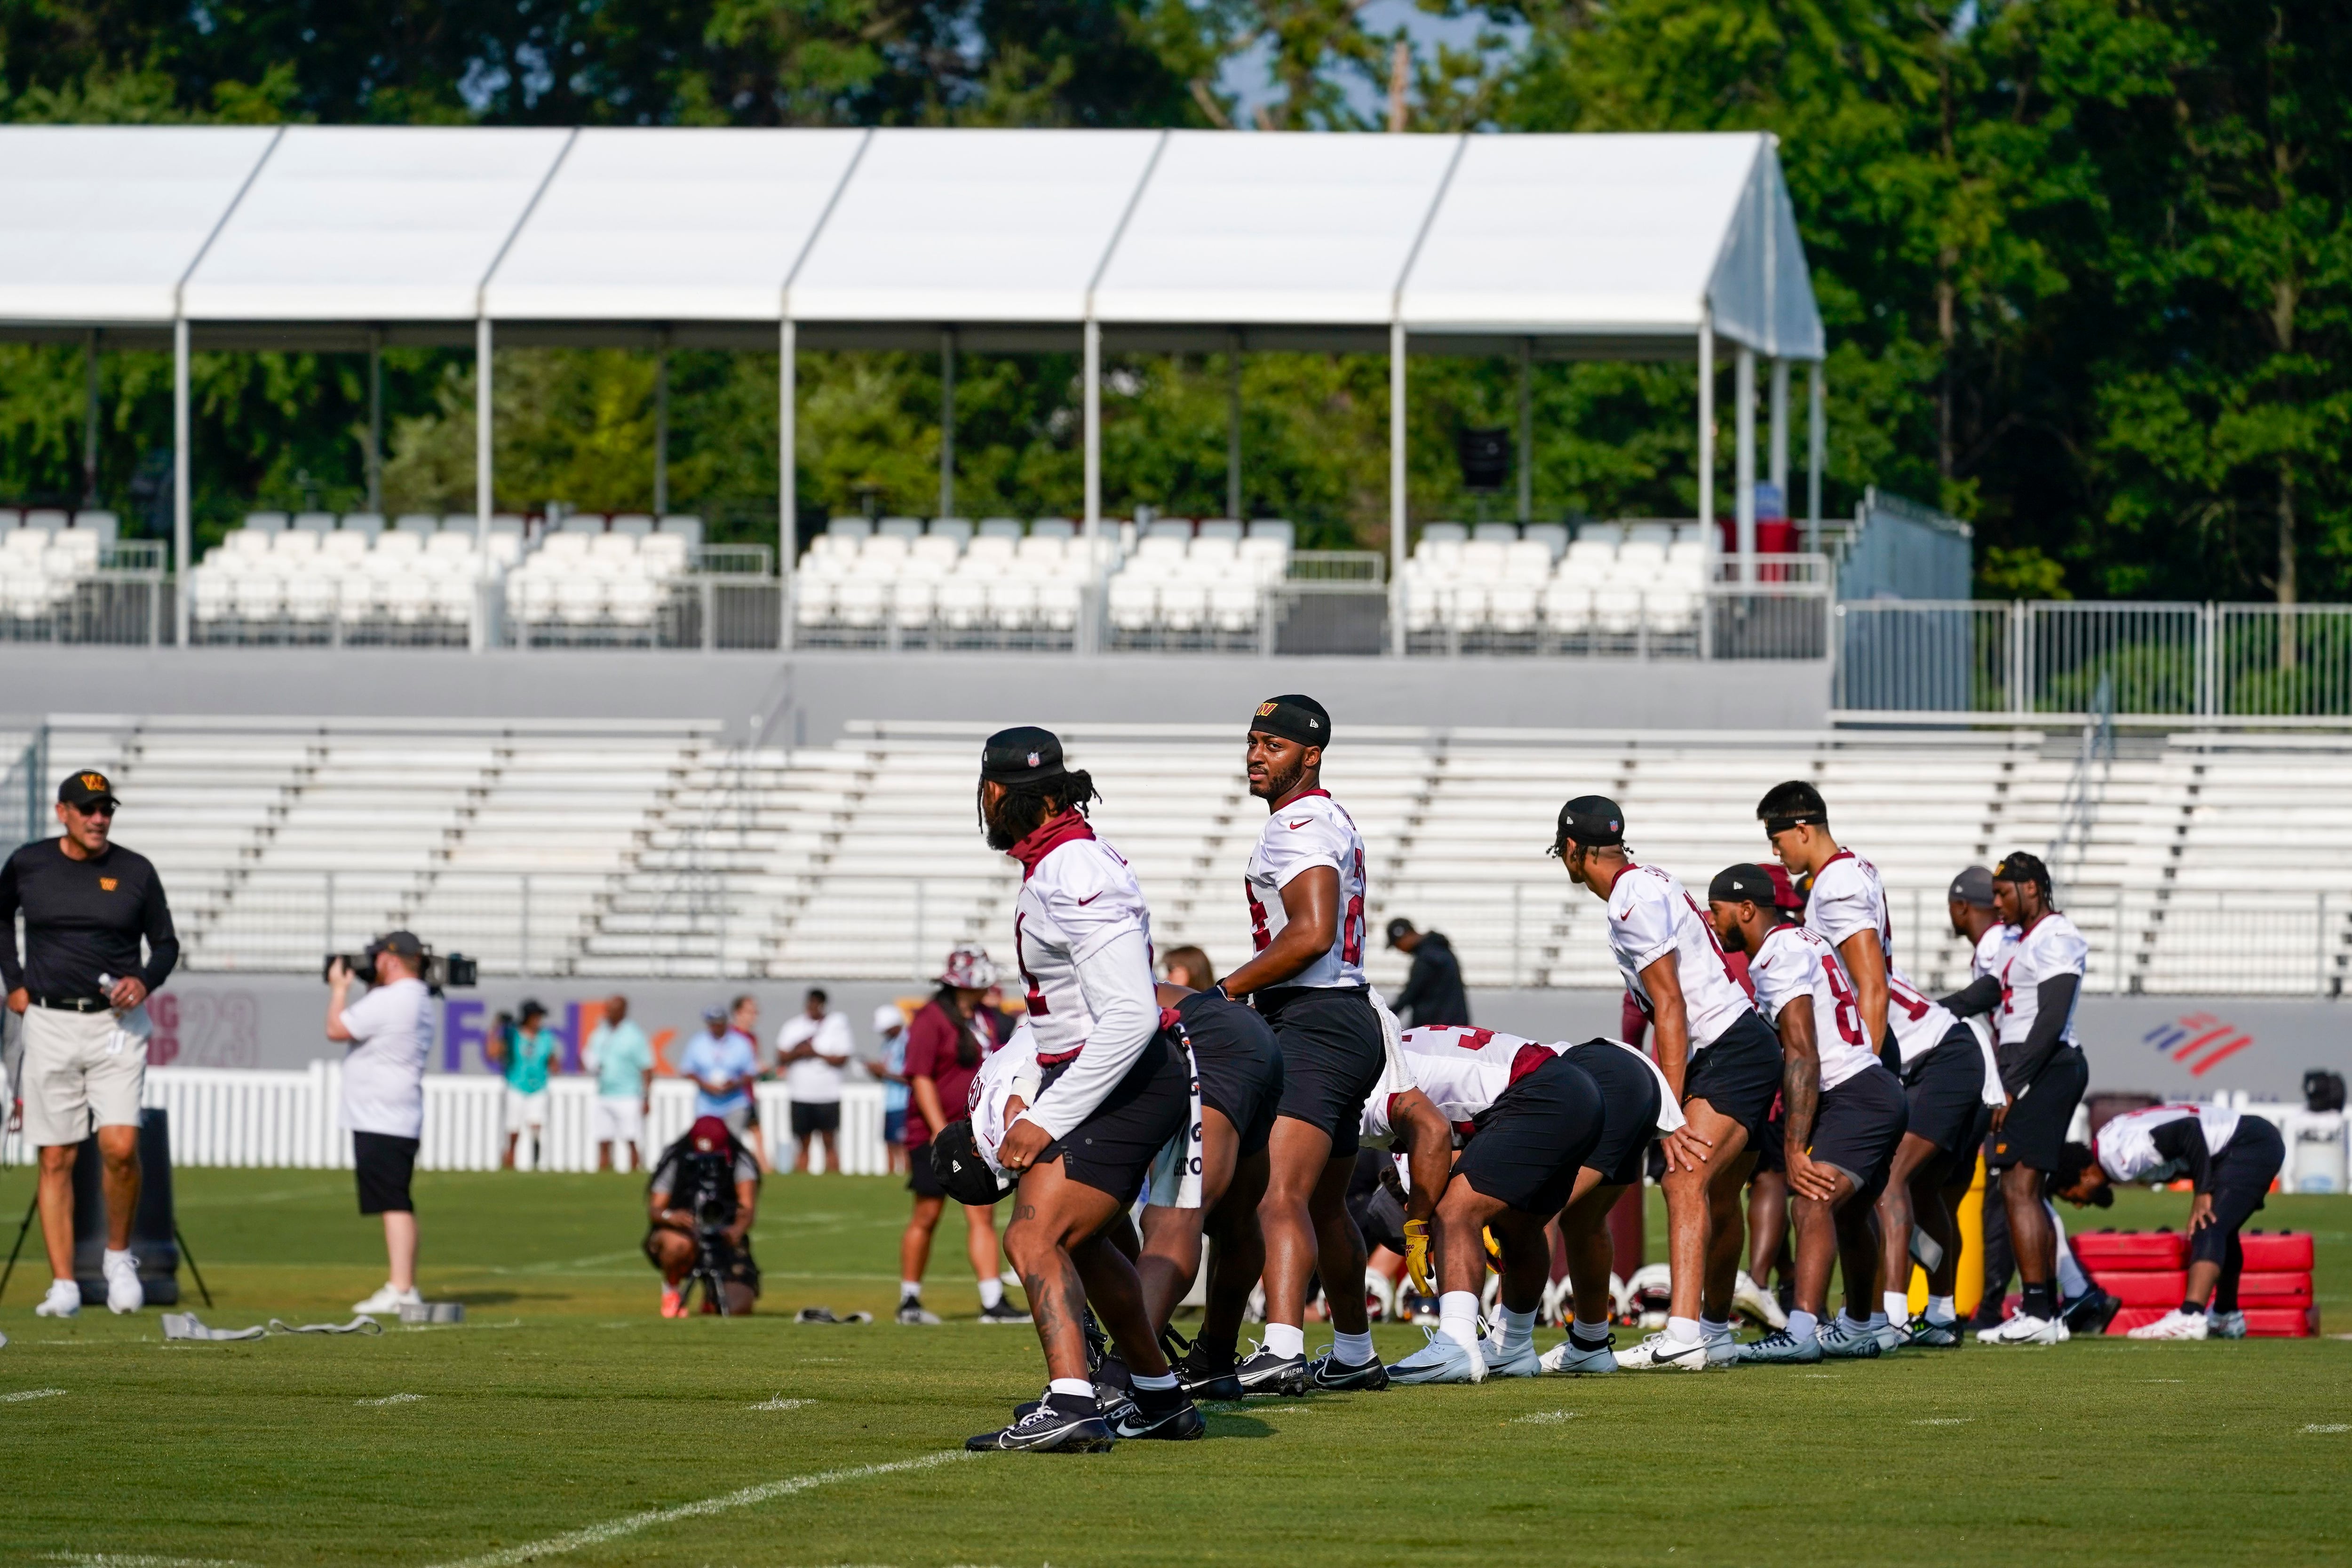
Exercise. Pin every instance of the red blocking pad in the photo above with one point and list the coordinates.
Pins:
(2132, 1318)
(2144, 1287)
(2100, 1249)
(2288, 1250)
(2274, 1290)
(2282, 1323)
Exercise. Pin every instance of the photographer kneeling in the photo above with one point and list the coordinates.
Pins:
(704, 1192)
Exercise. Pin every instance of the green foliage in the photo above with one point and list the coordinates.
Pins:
(2021, 571)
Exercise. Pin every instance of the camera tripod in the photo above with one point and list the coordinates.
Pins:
(15, 1136)
(705, 1274)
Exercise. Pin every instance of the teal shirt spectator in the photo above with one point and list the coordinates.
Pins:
(620, 1055)
(529, 1058)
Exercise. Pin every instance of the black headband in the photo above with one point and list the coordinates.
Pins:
(1299, 719)
(1777, 825)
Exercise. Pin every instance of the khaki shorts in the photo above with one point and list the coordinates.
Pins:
(81, 1067)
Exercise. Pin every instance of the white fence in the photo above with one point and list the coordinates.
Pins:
(234, 1116)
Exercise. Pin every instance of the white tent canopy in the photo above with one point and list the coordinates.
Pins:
(350, 236)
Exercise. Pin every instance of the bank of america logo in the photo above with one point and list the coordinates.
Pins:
(2198, 1041)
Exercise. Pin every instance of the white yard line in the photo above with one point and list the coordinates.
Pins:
(779, 1403)
(22, 1394)
(392, 1399)
(746, 1497)
(135, 1560)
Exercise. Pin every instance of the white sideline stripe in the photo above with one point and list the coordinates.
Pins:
(597, 1534)
(134, 1560)
(23, 1395)
(392, 1399)
(779, 1403)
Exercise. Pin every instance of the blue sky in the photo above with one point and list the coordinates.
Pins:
(1244, 75)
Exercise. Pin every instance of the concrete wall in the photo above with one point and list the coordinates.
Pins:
(2133, 1042)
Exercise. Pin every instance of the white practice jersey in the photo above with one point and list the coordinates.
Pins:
(1797, 964)
(1082, 940)
(2050, 947)
(1650, 916)
(1313, 830)
(1849, 896)
(1463, 1071)
(1990, 950)
(2126, 1144)
(1011, 1071)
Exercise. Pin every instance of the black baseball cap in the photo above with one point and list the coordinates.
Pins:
(86, 789)
(1744, 883)
(1973, 886)
(956, 1162)
(530, 1007)
(1293, 717)
(403, 944)
(1021, 755)
(1590, 820)
(1398, 927)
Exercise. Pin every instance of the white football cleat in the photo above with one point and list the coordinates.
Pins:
(387, 1299)
(64, 1301)
(1441, 1360)
(1571, 1358)
(1662, 1353)
(124, 1291)
(1843, 1341)
(1891, 1337)
(2174, 1325)
(1749, 1297)
(1523, 1364)
(2026, 1329)
(2226, 1326)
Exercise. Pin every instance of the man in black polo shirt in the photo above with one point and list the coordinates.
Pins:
(82, 989)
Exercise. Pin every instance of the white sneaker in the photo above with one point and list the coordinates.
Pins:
(64, 1301)
(2226, 1326)
(2026, 1329)
(1749, 1297)
(1659, 1351)
(2174, 1325)
(124, 1291)
(1569, 1358)
(389, 1300)
(1441, 1360)
(1523, 1364)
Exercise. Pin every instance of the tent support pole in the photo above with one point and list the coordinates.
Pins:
(1234, 424)
(89, 421)
(180, 520)
(787, 475)
(1777, 447)
(661, 427)
(1744, 461)
(1093, 428)
(947, 421)
(1526, 430)
(1813, 440)
(1397, 518)
(1706, 430)
(375, 420)
(483, 488)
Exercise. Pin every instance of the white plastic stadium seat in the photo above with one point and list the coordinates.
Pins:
(1133, 602)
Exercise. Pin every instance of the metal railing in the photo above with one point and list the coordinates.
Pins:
(125, 599)
(2050, 656)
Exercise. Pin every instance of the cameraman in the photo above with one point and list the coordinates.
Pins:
(704, 1192)
(390, 1033)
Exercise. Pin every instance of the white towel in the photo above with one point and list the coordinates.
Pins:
(1176, 1171)
(1993, 1094)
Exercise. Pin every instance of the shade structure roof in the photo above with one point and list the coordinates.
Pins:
(1579, 244)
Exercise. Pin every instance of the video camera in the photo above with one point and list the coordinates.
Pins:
(437, 970)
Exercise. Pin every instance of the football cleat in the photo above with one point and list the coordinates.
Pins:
(1198, 1374)
(1777, 1347)
(1891, 1336)
(2090, 1312)
(385, 1301)
(1326, 1374)
(673, 1301)
(1176, 1422)
(1722, 1348)
(1841, 1341)
(64, 1301)
(2174, 1325)
(1749, 1297)
(1575, 1361)
(2225, 1326)
(124, 1291)
(1263, 1371)
(1525, 1363)
(912, 1312)
(1443, 1360)
(1662, 1351)
(1005, 1311)
(1930, 1336)
(2026, 1329)
(1043, 1428)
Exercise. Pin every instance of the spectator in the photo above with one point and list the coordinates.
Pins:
(390, 1033)
(1433, 992)
(525, 1049)
(1188, 967)
(890, 1039)
(622, 1061)
(673, 1243)
(812, 1050)
(946, 1043)
(722, 1063)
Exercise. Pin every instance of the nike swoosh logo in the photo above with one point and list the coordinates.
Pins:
(1089, 898)
(1302, 822)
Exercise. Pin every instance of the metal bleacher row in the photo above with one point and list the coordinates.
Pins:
(2195, 863)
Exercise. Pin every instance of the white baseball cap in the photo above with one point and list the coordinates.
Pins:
(887, 1017)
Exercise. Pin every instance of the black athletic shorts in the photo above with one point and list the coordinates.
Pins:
(1372, 1205)
(383, 1164)
(1739, 1074)
(1239, 1062)
(1332, 1057)
(1526, 1148)
(2242, 1171)
(2034, 1133)
(1945, 1090)
(1629, 1108)
(1112, 1150)
(824, 1117)
(920, 1179)
(1771, 1140)
(1857, 1128)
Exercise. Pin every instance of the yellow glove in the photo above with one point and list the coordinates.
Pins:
(1416, 1256)
(1494, 1249)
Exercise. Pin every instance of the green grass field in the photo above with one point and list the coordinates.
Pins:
(567, 1423)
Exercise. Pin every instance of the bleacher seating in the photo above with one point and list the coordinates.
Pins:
(2195, 864)
(949, 583)
(1204, 585)
(45, 554)
(1614, 583)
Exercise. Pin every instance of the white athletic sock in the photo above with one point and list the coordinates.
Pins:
(992, 1291)
(1285, 1339)
(1683, 1330)
(1898, 1306)
(2072, 1281)
(1876, 1321)
(1519, 1330)
(1801, 1326)
(1709, 1329)
(913, 1287)
(1850, 1323)
(1352, 1350)
(1076, 1387)
(1596, 1330)
(1457, 1318)
(113, 1257)
(1160, 1385)
(1941, 1311)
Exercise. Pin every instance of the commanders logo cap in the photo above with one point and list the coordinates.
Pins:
(1293, 718)
(85, 788)
(1021, 756)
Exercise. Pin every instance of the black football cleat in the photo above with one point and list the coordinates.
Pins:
(2090, 1312)
(1326, 1374)
(1047, 1427)
(1169, 1417)
(1263, 1371)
